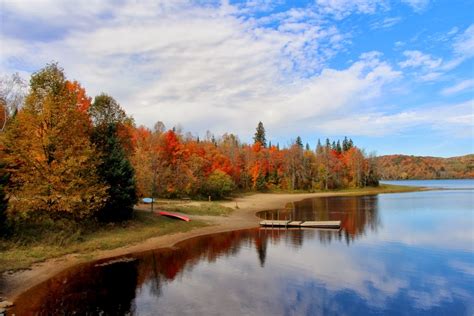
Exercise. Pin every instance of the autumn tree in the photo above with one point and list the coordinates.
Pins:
(260, 135)
(115, 168)
(145, 160)
(52, 161)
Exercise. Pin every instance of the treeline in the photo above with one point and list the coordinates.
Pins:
(402, 167)
(64, 155)
(170, 164)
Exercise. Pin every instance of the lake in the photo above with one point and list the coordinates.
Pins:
(396, 254)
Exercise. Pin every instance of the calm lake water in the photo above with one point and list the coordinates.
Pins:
(399, 254)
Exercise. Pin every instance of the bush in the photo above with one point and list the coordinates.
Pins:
(218, 185)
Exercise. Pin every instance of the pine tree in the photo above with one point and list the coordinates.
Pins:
(299, 142)
(4, 176)
(328, 143)
(117, 172)
(260, 135)
(307, 147)
(345, 144)
(338, 147)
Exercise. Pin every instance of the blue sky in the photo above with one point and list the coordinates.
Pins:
(396, 76)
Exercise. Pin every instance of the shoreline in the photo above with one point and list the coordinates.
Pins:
(14, 283)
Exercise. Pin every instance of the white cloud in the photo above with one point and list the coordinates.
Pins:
(207, 68)
(455, 120)
(460, 86)
(386, 23)
(415, 58)
(417, 5)
(342, 8)
(464, 44)
(429, 68)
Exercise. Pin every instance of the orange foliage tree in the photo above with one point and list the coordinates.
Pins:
(48, 150)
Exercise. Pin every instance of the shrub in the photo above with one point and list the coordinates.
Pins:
(218, 185)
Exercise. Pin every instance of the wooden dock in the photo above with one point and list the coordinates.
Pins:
(313, 224)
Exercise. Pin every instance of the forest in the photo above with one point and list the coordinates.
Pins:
(66, 155)
(402, 167)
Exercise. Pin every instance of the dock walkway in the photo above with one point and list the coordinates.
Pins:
(314, 224)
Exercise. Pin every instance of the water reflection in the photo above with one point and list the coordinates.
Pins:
(356, 213)
(86, 290)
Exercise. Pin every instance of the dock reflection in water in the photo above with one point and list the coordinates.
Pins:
(356, 213)
(364, 268)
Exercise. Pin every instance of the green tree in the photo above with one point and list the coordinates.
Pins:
(345, 144)
(115, 168)
(338, 147)
(218, 185)
(260, 135)
(105, 110)
(299, 142)
(4, 176)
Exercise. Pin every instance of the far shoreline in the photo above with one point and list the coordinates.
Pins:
(14, 283)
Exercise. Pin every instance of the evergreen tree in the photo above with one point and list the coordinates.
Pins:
(334, 146)
(350, 144)
(4, 176)
(345, 144)
(338, 147)
(299, 142)
(328, 143)
(117, 172)
(115, 169)
(307, 147)
(260, 135)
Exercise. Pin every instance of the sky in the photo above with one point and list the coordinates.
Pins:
(395, 76)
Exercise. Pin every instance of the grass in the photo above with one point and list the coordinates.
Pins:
(37, 244)
(198, 208)
(382, 188)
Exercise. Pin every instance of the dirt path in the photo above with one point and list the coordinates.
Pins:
(14, 283)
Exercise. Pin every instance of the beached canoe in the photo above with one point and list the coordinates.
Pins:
(173, 215)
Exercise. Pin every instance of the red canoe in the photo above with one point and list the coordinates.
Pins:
(174, 215)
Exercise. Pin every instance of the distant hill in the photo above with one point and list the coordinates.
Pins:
(399, 167)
